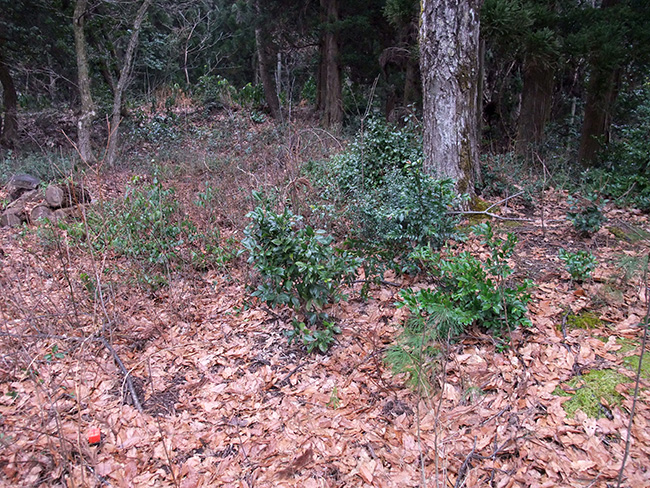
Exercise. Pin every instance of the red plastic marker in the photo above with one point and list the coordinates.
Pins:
(94, 436)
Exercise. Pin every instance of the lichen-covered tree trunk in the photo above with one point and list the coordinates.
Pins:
(87, 109)
(449, 62)
(330, 100)
(536, 101)
(8, 129)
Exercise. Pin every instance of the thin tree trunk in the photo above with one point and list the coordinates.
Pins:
(449, 50)
(9, 132)
(122, 83)
(536, 101)
(87, 109)
(268, 83)
(330, 90)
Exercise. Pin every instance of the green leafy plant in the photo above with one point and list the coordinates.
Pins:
(579, 264)
(334, 401)
(54, 354)
(299, 267)
(587, 218)
(468, 291)
(147, 226)
(388, 204)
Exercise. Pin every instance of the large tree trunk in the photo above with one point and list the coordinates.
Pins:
(87, 109)
(330, 100)
(449, 51)
(536, 101)
(602, 90)
(9, 129)
(122, 83)
(601, 95)
(268, 83)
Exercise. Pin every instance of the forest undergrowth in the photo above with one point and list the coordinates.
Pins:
(446, 349)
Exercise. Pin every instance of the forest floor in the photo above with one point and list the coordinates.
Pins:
(225, 401)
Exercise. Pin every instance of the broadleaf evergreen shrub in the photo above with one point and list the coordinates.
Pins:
(479, 291)
(586, 215)
(579, 264)
(299, 267)
(468, 291)
(379, 188)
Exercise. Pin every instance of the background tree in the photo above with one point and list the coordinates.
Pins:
(87, 105)
(329, 89)
(124, 79)
(449, 33)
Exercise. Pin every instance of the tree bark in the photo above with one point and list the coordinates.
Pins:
(449, 52)
(602, 90)
(330, 99)
(263, 64)
(122, 83)
(87, 109)
(9, 132)
(536, 101)
(601, 95)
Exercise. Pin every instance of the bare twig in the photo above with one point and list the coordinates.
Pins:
(460, 479)
(637, 379)
(125, 372)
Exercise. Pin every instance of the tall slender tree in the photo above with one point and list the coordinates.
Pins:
(449, 50)
(122, 83)
(330, 100)
(87, 108)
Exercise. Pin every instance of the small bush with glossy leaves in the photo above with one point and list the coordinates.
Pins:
(379, 187)
(299, 267)
(587, 217)
(579, 264)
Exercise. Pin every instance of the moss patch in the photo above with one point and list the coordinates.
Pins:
(589, 392)
(584, 320)
(478, 205)
(627, 345)
(632, 363)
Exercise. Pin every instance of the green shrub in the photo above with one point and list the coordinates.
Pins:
(629, 151)
(373, 155)
(624, 189)
(299, 267)
(476, 291)
(216, 92)
(251, 96)
(148, 227)
(587, 217)
(378, 186)
(579, 264)
(468, 291)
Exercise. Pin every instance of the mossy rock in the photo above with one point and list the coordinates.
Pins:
(591, 392)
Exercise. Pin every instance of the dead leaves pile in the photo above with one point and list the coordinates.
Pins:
(228, 403)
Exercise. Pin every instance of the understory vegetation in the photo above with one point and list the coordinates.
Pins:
(308, 228)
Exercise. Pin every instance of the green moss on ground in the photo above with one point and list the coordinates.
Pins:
(478, 205)
(627, 345)
(632, 363)
(589, 392)
(584, 320)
